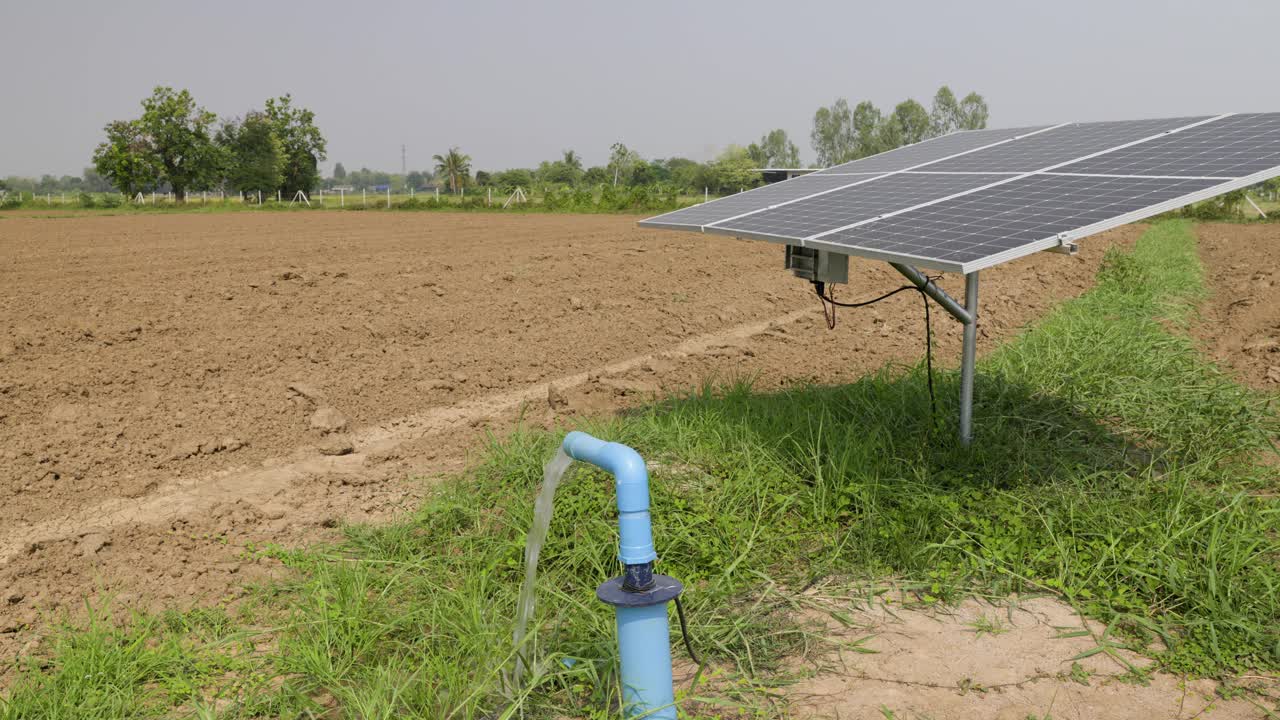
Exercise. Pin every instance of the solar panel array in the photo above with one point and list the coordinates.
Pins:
(970, 200)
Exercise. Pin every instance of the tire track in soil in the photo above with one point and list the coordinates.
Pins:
(197, 494)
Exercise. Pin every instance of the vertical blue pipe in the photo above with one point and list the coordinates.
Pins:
(644, 647)
(644, 637)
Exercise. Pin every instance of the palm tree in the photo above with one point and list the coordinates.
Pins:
(572, 160)
(455, 165)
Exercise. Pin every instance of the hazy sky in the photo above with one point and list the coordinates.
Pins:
(516, 83)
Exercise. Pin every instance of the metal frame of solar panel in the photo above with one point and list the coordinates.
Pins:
(968, 201)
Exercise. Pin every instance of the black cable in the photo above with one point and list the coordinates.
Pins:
(684, 632)
(827, 295)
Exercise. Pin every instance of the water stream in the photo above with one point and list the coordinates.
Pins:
(552, 473)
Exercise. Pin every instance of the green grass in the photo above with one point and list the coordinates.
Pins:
(1112, 467)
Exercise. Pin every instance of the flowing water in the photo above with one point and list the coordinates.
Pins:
(552, 473)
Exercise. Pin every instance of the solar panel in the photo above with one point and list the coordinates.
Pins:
(986, 224)
(1065, 143)
(693, 218)
(1234, 146)
(850, 205)
(932, 150)
(971, 200)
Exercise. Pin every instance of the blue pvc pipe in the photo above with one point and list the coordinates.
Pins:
(644, 640)
(627, 467)
(644, 646)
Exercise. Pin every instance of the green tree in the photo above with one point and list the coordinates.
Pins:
(595, 176)
(912, 121)
(511, 179)
(867, 120)
(973, 112)
(172, 143)
(302, 144)
(339, 172)
(415, 179)
(832, 136)
(127, 158)
(455, 166)
(94, 182)
(733, 170)
(944, 116)
(182, 135)
(572, 161)
(621, 160)
(775, 149)
(483, 178)
(255, 155)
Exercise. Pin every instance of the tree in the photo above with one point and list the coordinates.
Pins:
(414, 179)
(94, 182)
(170, 144)
(127, 158)
(867, 120)
(483, 178)
(912, 121)
(339, 172)
(775, 149)
(181, 136)
(944, 116)
(301, 142)
(973, 112)
(620, 161)
(832, 137)
(509, 180)
(732, 170)
(455, 166)
(572, 160)
(255, 155)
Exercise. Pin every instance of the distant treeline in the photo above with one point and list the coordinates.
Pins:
(177, 146)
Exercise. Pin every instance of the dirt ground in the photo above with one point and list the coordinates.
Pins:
(1241, 320)
(174, 389)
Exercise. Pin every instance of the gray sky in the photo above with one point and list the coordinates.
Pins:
(517, 85)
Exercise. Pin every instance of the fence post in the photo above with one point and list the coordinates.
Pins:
(437, 193)
(342, 198)
(364, 197)
(388, 197)
(706, 193)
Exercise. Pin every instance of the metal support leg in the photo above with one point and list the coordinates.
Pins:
(968, 358)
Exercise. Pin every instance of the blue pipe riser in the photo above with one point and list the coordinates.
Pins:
(644, 644)
(632, 478)
(640, 597)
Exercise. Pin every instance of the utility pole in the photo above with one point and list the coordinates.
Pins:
(403, 167)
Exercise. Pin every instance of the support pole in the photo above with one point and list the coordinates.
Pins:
(939, 295)
(968, 358)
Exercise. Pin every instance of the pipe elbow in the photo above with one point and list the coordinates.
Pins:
(631, 478)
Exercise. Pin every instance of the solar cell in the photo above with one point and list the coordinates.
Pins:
(930, 150)
(842, 207)
(992, 225)
(1059, 145)
(1234, 146)
(693, 218)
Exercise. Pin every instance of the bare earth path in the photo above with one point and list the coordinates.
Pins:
(159, 375)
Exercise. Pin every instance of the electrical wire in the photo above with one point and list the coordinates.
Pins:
(827, 296)
(684, 632)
